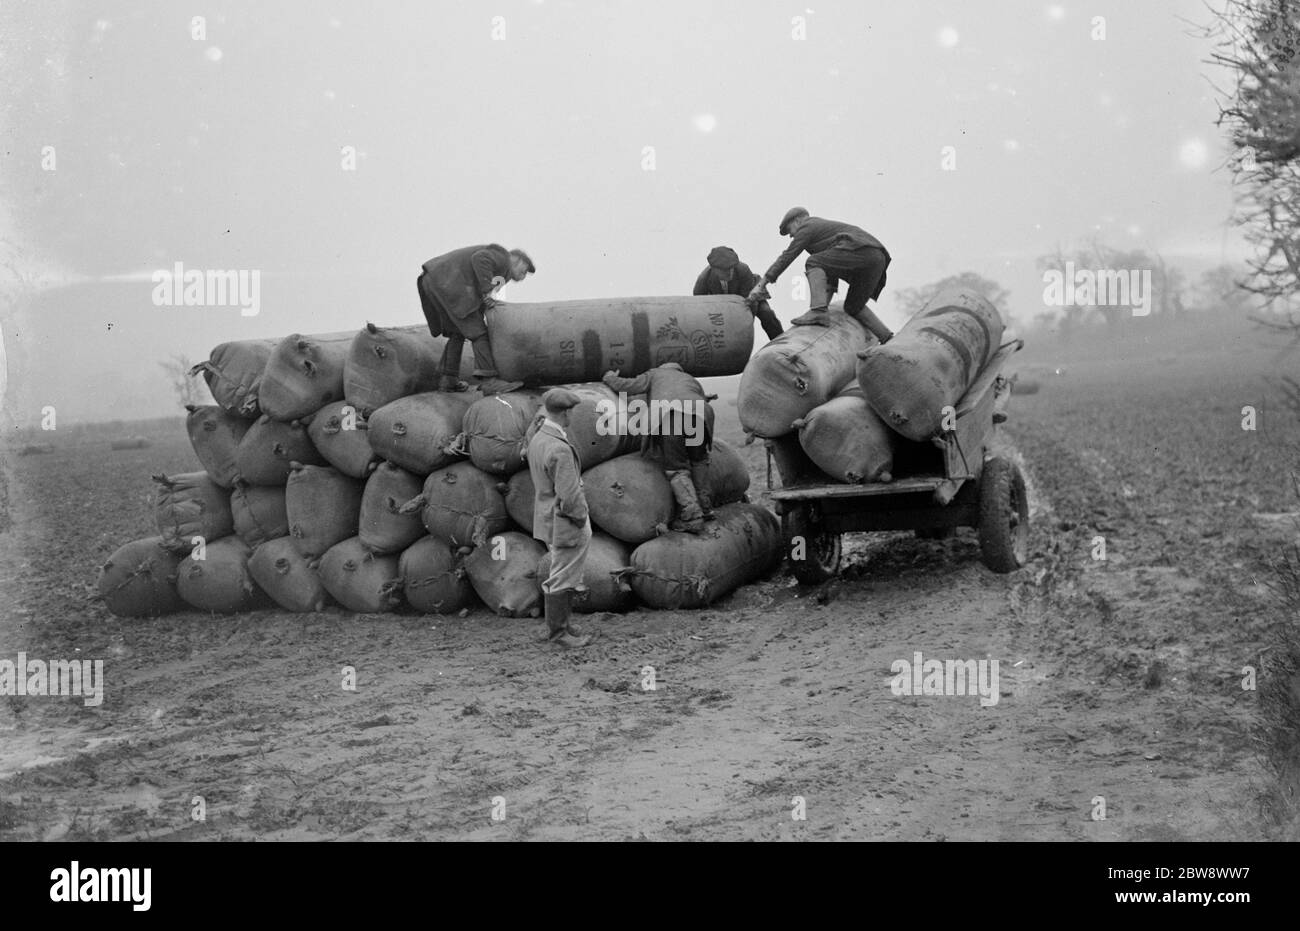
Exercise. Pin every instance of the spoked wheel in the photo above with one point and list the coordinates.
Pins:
(1004, 516)
(814, 554)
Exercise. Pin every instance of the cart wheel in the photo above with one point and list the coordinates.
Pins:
(820, 551)
(934, 533)
(1004, 516)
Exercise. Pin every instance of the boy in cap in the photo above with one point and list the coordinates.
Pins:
(684, 438)
(559, 514)
(456, 289)
(726, 274)
(835, 250)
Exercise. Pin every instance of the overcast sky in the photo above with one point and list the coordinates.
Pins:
(225, 151)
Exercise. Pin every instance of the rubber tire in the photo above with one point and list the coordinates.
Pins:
(822, 549)
(1004, 516)
(935, 533)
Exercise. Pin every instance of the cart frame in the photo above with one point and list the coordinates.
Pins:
(976, 489)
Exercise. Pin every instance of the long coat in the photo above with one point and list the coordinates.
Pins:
(560, 506)
(667, 382)
(460, 279)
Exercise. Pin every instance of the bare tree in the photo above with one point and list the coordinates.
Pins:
(1258, 42)
(913, 299)
(183, 385)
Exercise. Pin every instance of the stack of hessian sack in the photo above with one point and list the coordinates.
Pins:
(334, 473)
(836, 406)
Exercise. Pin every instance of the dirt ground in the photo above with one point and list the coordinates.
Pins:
(1119, 679)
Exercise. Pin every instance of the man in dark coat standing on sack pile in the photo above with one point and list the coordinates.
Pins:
(560, 517)
(726, 274)
(681, 432)
(456, 290)
(835, 250)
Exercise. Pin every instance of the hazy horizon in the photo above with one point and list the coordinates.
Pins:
(226, 152)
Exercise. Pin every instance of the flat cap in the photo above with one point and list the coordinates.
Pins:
(723, 257)
(523, 256)
(793, 213)
(560, 399)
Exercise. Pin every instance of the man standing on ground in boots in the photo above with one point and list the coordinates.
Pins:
(835, 250)
(682, 433)
(456, 290)
(559, 514)
(726, 274)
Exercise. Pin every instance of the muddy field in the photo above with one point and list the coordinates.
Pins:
(1118, 678)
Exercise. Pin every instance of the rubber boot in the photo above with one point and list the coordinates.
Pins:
(689, 517)
(559, 608)
(873, 324)
(700, 479)
(818, 300)
(493, 385)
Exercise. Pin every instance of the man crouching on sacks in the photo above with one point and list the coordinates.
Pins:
(559, 514)
(456, 290)
(681, 433)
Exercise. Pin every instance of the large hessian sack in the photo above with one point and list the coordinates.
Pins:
(494, 430)
(416, 432)
(593, 425)
(359, 580)
(382, 529)
(931, 362)
(233, 372)
(220, 581)
(139, 580)
(259, 513)
(189, 505)
(603, 574)
(303, 374)
(846, 439)
(504, 574)
(387, 363)
(578, 341)
(462, 505)
(323, 506)
(264, 454)
(287, 577)
(432, 578)
(686, 570)
(802, 368)
(521, 496)
(630, 498)
(215, 434)
(341, 436)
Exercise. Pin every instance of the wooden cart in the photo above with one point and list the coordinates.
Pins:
(957, 482)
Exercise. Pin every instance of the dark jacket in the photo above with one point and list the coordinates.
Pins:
(742, 281)
(669, 383)
(818, 235)
(560, 506)
(459, 280)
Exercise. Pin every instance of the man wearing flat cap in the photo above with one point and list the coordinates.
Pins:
(559, 513)
(456, 290)
(681, 439)
(726, 274)
(835, 251)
